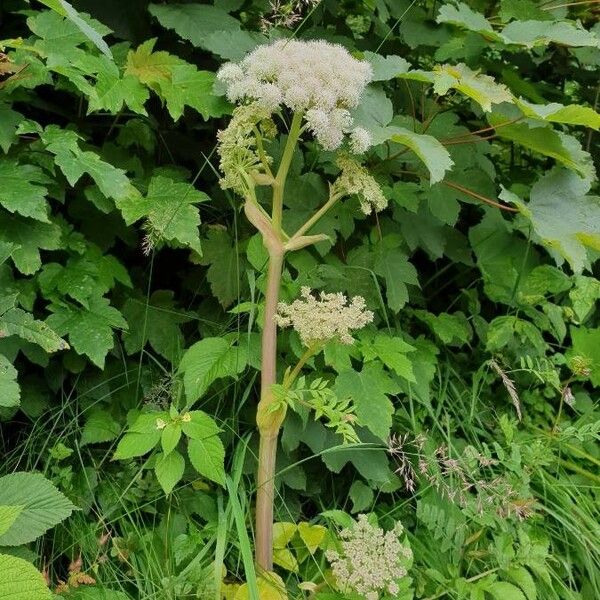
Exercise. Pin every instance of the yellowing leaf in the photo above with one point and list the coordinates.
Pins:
(311, 535)
(270, 587)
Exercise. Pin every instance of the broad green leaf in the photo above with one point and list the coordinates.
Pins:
(270, 587)
(156, 322)
(22, 324)
(386, 67)
(84, 276)
(28, 237)
(194, 22)
(463, 16)
(514, 334)
(99, 427)
(74, 162)
(453, 330)
(541, 33)
(113, 91)
(9, 120)
(63, 8)
(21, 580)
(523, 10)
(207, 456)
(8, 515)
(199, 426)
(548, 142)
(368, 389)
(136, 444)
(90, 329)
(361, 495)
(502, 590)
(208, 360)
(10, 392)
(584, 295)
(392, 351)
(394, 267)
(169, 210)
(43, 506)
(586, 345)
(283, 533)
(22, 191)
(169, 470)
(572, 114)
(149, 67)
(566, 220)
(232, 44)
(170, 436)
(522, 577)
(374, 112)
(427, 148)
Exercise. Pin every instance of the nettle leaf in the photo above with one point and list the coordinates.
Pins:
(169, 470)
(90, 329)
(27, 238)
(566, 220)
(562, 147)
(177, 82)
(21, 580)
(208, 360)
(22, 324)
(99, 427)
(43, 506)
(368, 389)
(169, 210)
(156, 321)
(10, 393)
(74, 162)
(426, 147)
(205, 449)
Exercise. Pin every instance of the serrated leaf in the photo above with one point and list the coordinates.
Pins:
(8, 515)
(386, 67)
(452, 329)
(169, 470)
(22, 324)
(21, 580)
(44, 506)
(502, 590)
(156, 322)
(99, 427)
(208, 360)
(90, 329)
(207, 456)
(169, 210)
(522, 577)
(200, 425)
(10, 393)
(541, 33)
(562, 215)
(21, 190)
(392, 351)
(170, 437)
(28, 237)
(427, 148)
(572, 114)
(462, 15)
(394, 267)
(9, 120)
(134, 444)
(74, 162)
(586, 344)
(193, 22)
(368, 389)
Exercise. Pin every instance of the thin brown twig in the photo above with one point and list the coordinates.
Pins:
(468, 192)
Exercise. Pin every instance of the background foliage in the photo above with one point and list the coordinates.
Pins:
(131, 292)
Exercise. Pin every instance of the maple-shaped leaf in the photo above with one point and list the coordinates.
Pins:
(22, 190)
(156, 321)
(565, 218)
(169, 210)
(393, 265)
(92, 274)
(74, 162)
(90, 329)
(27, 238)
(369, 391)
(113, 91)
(151, 68)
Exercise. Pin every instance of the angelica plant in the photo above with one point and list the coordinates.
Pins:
(302, 89)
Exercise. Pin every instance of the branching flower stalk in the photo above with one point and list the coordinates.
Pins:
(311, 85)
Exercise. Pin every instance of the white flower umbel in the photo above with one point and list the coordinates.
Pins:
(355, 180)
(318, 320)
(370, 562)
(316, 78)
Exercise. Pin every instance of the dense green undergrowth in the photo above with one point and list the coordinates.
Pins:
(132, 298)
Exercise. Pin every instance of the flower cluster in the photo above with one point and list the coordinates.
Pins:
(321, 319)
(356, 180)
(371, 562)
(237, 149)
(316, 78)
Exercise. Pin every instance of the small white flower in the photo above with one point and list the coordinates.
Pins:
(356, 180)
(160, 424)
(360, 140)
(331, 316)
